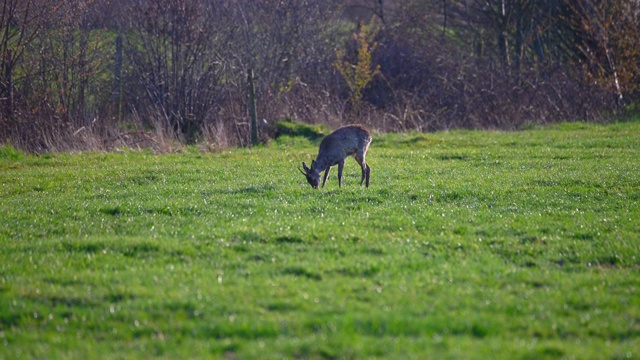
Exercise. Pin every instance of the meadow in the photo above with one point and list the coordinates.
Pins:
(467, 245)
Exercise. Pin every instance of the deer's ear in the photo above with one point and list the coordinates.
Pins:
(306, 168)
(313, 164)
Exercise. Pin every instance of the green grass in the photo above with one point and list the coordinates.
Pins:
(468, 244)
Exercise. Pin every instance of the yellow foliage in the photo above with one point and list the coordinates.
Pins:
(358, 76)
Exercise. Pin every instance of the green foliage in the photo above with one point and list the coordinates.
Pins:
(8, 152)
(294, 129)
(466, 245)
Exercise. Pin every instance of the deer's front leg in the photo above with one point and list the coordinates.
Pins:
(340, 167)
(326, 174)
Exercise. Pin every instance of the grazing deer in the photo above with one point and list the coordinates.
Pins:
(334, 148)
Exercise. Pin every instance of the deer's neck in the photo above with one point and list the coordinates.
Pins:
(321, 163)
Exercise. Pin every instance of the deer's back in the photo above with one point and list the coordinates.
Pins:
(343, 142)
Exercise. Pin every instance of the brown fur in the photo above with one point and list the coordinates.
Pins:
(350, 140)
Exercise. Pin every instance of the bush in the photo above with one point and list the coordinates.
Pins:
(290, 128)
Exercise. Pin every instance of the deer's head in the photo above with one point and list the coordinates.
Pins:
(313, 175)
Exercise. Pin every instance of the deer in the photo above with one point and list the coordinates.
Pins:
(350, 140)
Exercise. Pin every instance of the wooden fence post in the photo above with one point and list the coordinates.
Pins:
(253, 116)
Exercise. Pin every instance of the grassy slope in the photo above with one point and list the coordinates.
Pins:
(467, 244)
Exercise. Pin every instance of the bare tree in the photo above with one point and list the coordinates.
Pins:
(20, 23)
(608, 43)
(174, 47)
(72, 66)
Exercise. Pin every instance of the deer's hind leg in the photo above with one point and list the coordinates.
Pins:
(340, 167)
(366, 170)
(367, 174)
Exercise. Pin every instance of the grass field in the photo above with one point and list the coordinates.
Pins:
(467, 245)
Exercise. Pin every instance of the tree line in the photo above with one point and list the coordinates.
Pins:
(99, 74)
